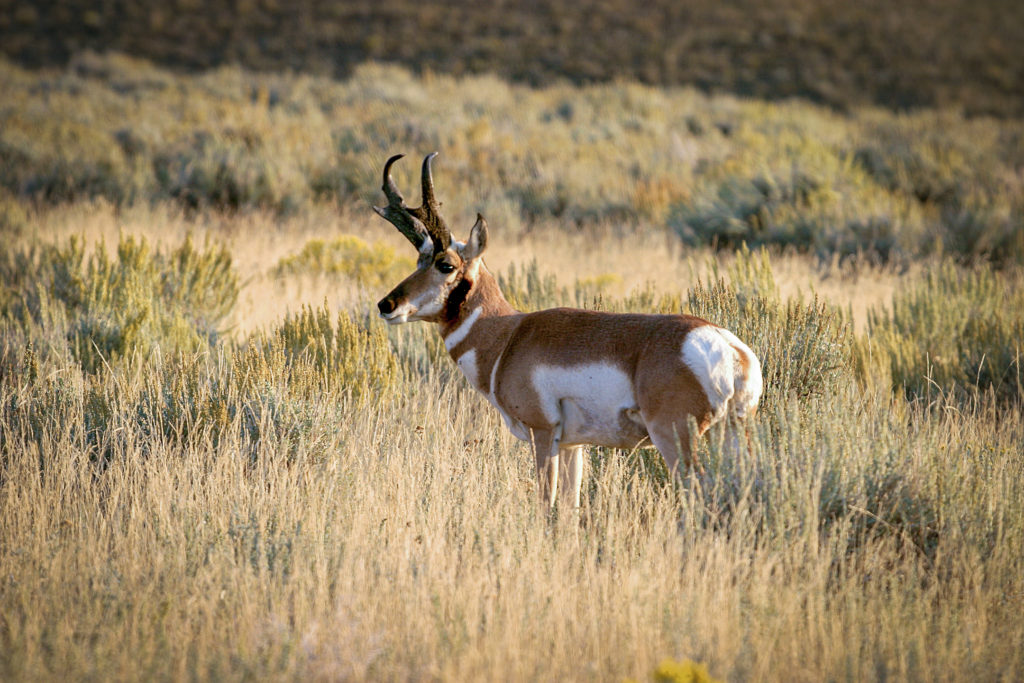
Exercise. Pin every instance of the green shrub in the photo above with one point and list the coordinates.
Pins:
(527, 289)
(347, 357)
(986, 229)
(898, 164)
(804, 347)
(822, 215)
(292, 387)
(112, 308)
(229, 170)
(971, 206)
(14, 215)
(957, 330)
(61, 160)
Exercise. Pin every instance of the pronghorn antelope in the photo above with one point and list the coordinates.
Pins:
(562, 378)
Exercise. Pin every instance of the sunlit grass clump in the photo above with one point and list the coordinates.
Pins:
(343, 356)
(804, 346)
(135, 338)
(112, 307)
(376, 265)
(957, 330)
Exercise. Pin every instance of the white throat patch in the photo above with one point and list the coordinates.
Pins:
(462, 331)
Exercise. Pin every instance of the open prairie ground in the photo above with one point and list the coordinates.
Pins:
(217, 463)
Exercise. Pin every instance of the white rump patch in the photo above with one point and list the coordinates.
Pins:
(460, 332)
(713, 354)
(748, 385)
(712, 359)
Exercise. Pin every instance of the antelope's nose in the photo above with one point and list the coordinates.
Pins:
(385, 306)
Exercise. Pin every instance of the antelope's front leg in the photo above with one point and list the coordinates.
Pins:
(571, 475)
(545, 451)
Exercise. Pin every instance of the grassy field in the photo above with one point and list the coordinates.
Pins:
(215, 462)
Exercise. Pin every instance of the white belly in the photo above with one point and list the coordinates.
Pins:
(594, 402)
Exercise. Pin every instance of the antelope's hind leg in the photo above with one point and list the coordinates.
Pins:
(672, 439)
(667, 400)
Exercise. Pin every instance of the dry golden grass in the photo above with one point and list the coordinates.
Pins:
(861, 537)
(395, 552)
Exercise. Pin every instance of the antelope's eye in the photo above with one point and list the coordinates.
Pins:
(445, 267)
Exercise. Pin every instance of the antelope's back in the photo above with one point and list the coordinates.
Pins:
(568, 336)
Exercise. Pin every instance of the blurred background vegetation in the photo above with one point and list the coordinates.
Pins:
(965, 53)
(704, 170)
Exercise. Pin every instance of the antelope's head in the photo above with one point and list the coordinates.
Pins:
(443, 266)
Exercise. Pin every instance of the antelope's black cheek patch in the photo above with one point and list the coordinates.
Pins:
(456, 297)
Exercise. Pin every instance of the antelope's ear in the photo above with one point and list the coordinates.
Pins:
(477, 241)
